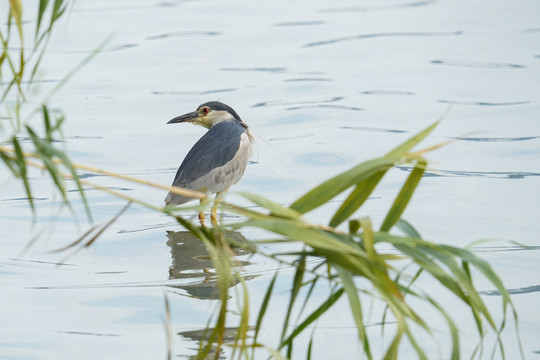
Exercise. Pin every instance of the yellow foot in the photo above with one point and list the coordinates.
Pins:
(201, 217)
(213, 216)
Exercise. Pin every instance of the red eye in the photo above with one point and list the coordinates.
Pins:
(205, 110)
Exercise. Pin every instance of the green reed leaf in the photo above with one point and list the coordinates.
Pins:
(356, 198)
(43, 150)
(407, 228)
(264, 306)
(406, 146)
(21, 164)
(404, 196)
(323, 193)
(275, 208)
(355, 306)
(297, 285)
(41, 11)
(313, 316)
(16, 9)
(454, 333)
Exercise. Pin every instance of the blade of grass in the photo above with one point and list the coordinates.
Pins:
(321, 194)
(407, 228)
(313, 316)
(406, 146)
(356, 198)
(297, 284)
(308, 295)
(412, 339)
(329, 189)
(11, 164)
(454, 333)
(21, 163)
(43, 150)
(243, 328)
(404, 196)
(16, 9)
(356, 307)
(41, 11)
(275, 208)
(75, 177)
(262, 310)
(392, 352)
(167, 324)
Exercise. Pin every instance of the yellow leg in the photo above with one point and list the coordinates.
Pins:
(201, 216)
(213, 212)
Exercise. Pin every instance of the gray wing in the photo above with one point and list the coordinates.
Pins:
(216, 148)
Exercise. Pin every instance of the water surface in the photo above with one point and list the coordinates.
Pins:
(324, 85)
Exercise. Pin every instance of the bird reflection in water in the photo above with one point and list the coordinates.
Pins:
(190, 259)
(202, 336)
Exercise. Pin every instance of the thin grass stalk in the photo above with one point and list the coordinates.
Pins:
(334, 296)
(356, 308)
(356, 198)
(309, 292)
(167, 324)
(174, 189)
(243, 328)
(297, 284)
(262, 311)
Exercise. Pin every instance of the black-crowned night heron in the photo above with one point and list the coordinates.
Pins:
(218, 160)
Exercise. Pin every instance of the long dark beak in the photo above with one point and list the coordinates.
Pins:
(189, 117)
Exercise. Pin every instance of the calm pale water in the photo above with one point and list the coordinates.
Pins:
(324, 85)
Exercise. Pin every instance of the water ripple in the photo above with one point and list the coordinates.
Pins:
(386, 92)
(183, 33)
(342, 107)
(517, 291)
(25, 199)
(299, 23)
(203, 92)
(115, 188)
(478, 64)
(281, 102)
(86, 333)
(504, 248)
(380, 35)
(307, 79)
(145, 228)
(484, 103)
(477, 139)
(407, 4)
(294, 137)
(263, 69)
(34, 81)
(117, 48)
(488, 139)
(483, 174)
(365, 128)
(112, 48)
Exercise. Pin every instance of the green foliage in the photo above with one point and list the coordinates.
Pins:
(350, 256)
(42, 146)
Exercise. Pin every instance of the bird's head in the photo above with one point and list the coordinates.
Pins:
(209, 114)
